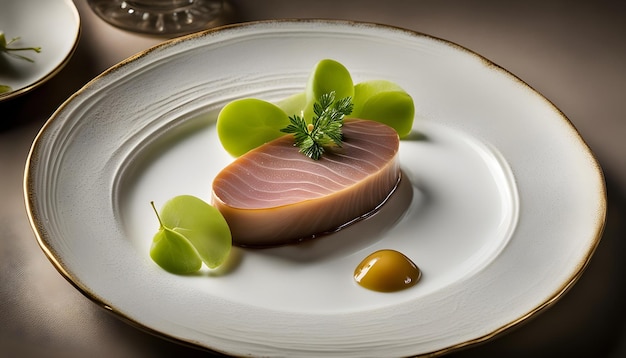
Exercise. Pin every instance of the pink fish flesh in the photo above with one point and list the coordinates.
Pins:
(275, 195)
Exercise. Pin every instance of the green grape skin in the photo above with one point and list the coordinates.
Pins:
(327, 76)
(384, 102)
(247, 123)
(294, 104)
(193, 228)
(364, 90)
(174, 253)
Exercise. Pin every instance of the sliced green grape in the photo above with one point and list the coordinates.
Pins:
(294, 104)
(385, 102)
(191, 232)
(245, 124)
(248, 123)
(364, 90)
(327, 76)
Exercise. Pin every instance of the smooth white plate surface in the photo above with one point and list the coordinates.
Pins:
(53, 25)
(501, 205)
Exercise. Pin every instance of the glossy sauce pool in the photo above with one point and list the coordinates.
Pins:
(387, 271)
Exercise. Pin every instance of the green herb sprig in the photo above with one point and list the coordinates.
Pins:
(4, 47)
(325, 128)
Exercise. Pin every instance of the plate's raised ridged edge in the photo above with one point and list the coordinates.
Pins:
(558, 294)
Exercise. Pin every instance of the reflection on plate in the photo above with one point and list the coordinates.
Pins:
(53, 25)
(501, 203)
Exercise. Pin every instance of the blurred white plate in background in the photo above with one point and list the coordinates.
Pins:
(53, 25)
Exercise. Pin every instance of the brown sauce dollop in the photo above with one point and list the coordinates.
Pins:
(387, 271)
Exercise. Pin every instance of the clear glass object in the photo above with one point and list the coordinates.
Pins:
(162, 17)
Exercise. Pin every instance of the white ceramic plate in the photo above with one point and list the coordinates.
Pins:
(53, 25)
(502, 204)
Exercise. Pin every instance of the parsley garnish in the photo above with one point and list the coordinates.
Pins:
(325, 128)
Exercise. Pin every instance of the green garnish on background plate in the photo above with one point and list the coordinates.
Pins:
(4, 47)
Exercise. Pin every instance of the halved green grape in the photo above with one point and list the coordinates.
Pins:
(385, 102)
(327, 76)
(247, 123)
(191, 232)
(294, 104)
(364, 90)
